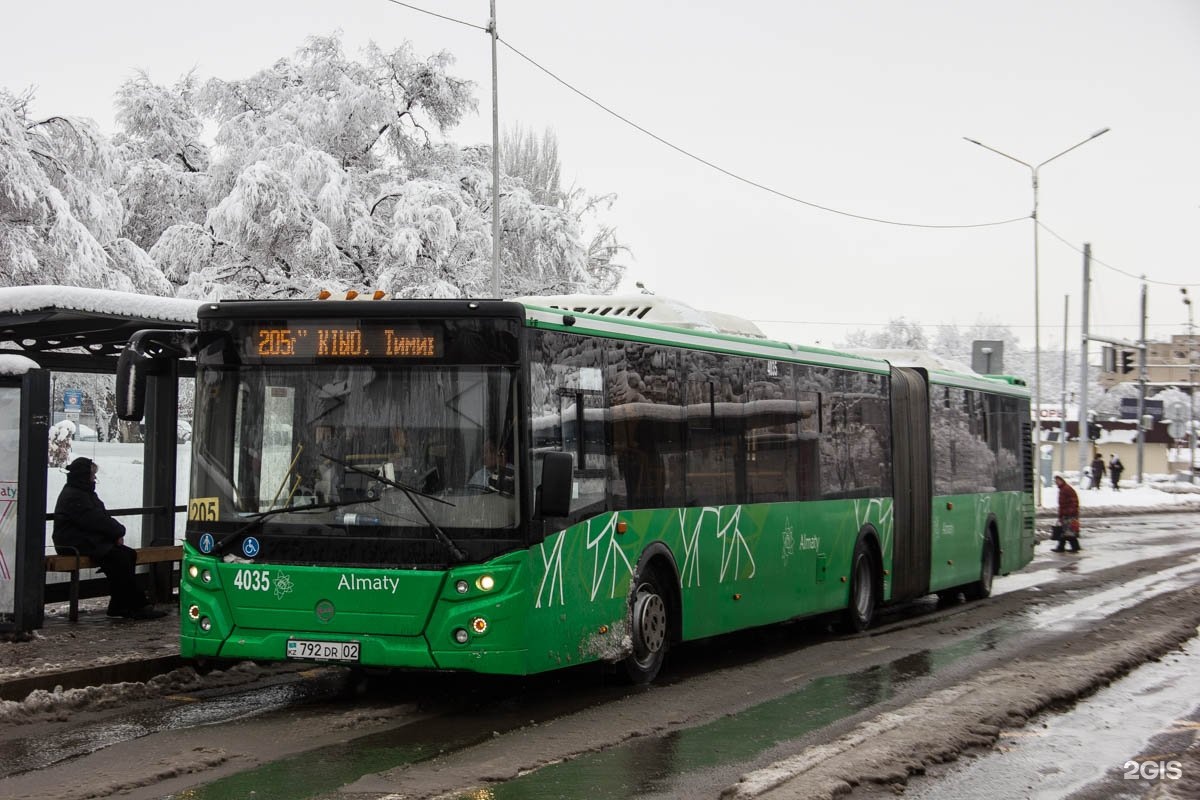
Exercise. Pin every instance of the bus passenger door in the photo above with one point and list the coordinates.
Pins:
(911, 476)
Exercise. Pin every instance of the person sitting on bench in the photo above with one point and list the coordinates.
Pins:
(83, 526)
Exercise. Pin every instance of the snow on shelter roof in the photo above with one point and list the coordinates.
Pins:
(22, 299)
(69, 327)
(648, 308)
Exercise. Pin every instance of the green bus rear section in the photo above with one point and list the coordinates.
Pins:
(564, 601)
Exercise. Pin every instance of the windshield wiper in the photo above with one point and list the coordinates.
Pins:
(263, 516)
(412, 495)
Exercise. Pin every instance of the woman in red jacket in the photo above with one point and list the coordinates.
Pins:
(1068, 515)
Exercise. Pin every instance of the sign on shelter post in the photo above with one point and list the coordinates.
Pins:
(24, 426)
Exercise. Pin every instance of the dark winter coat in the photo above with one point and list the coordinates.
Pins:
(1097, 468)
(81, 520)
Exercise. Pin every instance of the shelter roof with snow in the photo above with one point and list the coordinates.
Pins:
(70, 328)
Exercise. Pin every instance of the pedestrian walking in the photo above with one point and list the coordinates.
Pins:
(1068, 515)
(83, 525)
(1097, 471)
(1115, 468)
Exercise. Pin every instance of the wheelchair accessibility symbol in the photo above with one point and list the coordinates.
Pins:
(250, 547)
(207, 543)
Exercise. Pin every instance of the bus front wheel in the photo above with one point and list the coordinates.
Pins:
(861, 611)
(649, 629)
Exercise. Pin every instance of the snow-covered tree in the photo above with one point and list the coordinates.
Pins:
(899, 334)
(534, 161)
(325, 172)
(58, 207)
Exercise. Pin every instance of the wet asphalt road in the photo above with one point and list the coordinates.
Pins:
(324, 733)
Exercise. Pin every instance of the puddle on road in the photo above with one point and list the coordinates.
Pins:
(24, 755)
(324, 771)
(1084, 752)
(650, 765)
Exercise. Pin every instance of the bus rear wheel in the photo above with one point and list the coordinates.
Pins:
(861, 612)
(982, 588)
(649, 628)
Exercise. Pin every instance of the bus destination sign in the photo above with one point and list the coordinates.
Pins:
(316, 342)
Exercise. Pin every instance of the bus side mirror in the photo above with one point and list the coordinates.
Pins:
(145, 355)
(557, 481)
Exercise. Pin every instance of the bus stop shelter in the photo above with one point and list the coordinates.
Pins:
(64, 329)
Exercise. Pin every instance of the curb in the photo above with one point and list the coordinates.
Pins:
(121, 672)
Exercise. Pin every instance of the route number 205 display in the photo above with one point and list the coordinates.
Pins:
(322, 651)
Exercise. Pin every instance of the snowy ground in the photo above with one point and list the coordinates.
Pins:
(1158, 493)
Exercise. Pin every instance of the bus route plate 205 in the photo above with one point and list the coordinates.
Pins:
(322, 651)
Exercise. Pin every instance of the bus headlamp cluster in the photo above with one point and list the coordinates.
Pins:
(484, 583)
(195, 572)
(479, 626)
(193, 613)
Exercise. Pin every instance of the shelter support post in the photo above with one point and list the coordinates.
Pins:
(158, 492)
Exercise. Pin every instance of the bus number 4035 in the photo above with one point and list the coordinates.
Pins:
(253, 580)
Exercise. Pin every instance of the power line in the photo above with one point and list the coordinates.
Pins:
(1118, 270)
(740, 178)
(704, 161)
(439, 16)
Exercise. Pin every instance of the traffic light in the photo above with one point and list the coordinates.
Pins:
(1108, 359)
(1127, 361)
(1093, 429)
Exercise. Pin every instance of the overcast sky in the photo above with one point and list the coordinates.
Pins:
(860, 106)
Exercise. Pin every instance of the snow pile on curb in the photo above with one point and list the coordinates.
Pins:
(59, 704)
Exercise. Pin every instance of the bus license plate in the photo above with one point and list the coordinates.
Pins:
(322, 651)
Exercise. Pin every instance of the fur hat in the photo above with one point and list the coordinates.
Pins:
(81, 466)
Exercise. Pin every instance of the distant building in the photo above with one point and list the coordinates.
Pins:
(1167, 364)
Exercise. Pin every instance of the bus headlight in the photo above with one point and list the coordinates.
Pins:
(461, 635)
(479, 625)
(205, 624)
(461, 587)
(193, 612)
(486, 583)
(193, 571)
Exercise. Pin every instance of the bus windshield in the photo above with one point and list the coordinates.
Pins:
(372, 440)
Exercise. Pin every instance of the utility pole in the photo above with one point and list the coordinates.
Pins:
(1191, 351)
(1142, 376)
(1083, 359)
(1062, 437)
(495, 162)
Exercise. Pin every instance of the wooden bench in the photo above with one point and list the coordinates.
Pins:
(74, 563)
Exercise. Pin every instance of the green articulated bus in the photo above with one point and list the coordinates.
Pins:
(517, 486)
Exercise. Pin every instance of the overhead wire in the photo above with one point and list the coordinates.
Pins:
(763, 187)
(711, 165)
(439, 16)
(1118, 270)
(740, 178)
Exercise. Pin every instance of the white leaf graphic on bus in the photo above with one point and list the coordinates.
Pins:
(599, 569)
(551, 570)
(733, 544)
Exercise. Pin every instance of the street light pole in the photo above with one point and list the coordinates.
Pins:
(1191, 351)
(1037, 315)
(495, 161)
